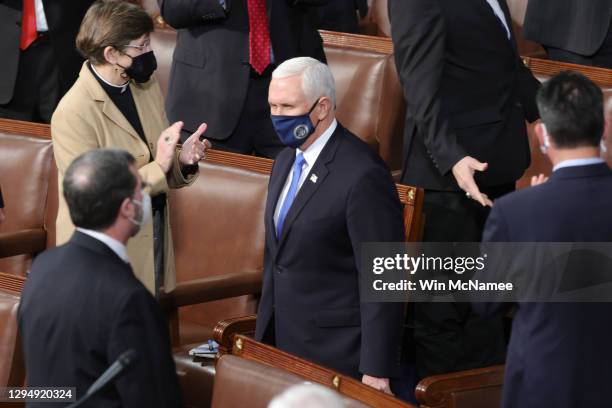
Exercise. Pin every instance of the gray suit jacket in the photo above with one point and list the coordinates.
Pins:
(579, 26)
(210, 67)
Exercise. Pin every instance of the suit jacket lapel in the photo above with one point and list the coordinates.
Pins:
(142, 102)
(493, 19)
(109, 108)
(504, 6)
(284, 164)
(309, 187)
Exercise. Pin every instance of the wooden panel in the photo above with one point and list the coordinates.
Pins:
(252, 350)
(472, 387)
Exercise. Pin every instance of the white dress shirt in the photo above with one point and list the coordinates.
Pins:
(116, 246)
(578, 162)
(310, 157)
(500, 14)
(41, 19)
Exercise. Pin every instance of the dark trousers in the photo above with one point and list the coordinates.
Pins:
(450, 337)
(254, 133)
(602, 58)
(37, 88)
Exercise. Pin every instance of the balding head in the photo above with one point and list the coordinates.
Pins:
(95, 185)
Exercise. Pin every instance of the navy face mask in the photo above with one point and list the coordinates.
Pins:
(294, 130)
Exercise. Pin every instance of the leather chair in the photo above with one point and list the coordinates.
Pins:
(479, 388)
(12, 368)
(163, 41)
(257, 383)
(29, 185)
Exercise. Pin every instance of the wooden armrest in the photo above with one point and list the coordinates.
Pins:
(435, 391)
(30, 241)
(225, 331)
(211, 288)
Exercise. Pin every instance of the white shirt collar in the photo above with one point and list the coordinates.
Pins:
(578, 162)
(116, 246)
(314, 150)
(122, 87)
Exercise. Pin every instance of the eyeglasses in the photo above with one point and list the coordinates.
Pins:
(143, 47)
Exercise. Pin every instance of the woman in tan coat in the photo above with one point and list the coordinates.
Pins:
(116, 103)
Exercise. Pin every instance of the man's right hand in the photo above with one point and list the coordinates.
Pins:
(464, 171)
(166, 146)
(1, 215)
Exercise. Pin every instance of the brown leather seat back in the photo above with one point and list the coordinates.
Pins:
(26, 169)
(218, 228)
(479, 388)
(245, 383)
(11, 365)
(370, 100)
(163, 42)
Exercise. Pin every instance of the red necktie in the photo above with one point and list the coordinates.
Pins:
(28, 24)
(259, 35)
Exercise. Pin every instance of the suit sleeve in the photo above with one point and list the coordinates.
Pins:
(188, 13)
(151, 380)
(1, 199)
(418, 31)
(496, 230)
(528, 88)
(374, 214)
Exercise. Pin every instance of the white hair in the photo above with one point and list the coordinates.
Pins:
(317, 79)
(307, 396)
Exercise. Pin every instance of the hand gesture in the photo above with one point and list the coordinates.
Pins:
(539, 179)
(166, 146)
(193, 148)
(464, 171)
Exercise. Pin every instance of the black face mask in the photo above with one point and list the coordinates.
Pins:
(142, 67)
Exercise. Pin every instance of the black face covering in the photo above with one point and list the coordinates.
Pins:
(142, 67)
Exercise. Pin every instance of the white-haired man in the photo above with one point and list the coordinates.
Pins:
(328, 193)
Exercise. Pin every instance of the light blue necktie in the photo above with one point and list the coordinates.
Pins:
(295, 181)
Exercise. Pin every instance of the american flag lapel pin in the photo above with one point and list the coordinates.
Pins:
(314, 178)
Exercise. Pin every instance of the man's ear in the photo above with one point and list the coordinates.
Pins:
(126, 209)
(540, 131)
(325, 107)
(607, 129)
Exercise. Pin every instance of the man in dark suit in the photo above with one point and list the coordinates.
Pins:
(559, 353)
(468, 94)
(225, 53)
(82, 307)
(340, 15)
(575, 31)
(40, 60)
(328, 194)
